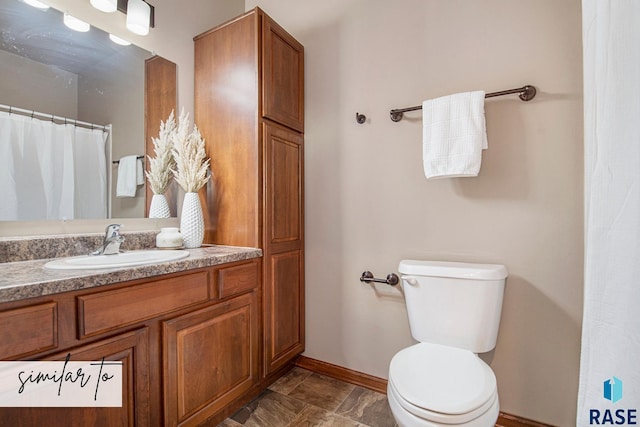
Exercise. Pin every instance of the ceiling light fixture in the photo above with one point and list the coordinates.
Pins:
(75, 23)
(138, 17)
(108, 6)
(118, 40)
(36, 3)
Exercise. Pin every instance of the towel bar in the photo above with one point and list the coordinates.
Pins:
(115, 162)
(392, 279)
(526, 93)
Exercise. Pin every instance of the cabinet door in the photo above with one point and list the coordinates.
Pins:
(210, 359)
(282, 76)
(284, 160)
(283, 287)
(283, 309)
(132, 350)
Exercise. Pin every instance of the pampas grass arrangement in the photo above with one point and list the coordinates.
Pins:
(191, 163)
(161, 166)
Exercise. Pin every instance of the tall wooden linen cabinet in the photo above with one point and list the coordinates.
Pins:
(249, 107)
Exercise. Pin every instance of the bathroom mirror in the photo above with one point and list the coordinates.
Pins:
(48, 68)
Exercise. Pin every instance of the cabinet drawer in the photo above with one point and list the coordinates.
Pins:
(233, 280)
(28, 330)
(108, 310)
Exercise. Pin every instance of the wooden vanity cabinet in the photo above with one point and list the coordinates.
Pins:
(211, 359)
(189, 343)
(131, 349)
(249, 107)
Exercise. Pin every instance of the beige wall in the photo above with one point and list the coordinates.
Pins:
(368, 204)
(31, 85)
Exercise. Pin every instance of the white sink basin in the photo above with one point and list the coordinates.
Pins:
(124, 259)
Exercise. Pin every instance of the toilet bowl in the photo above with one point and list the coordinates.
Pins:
(432, 385)
(454, 313)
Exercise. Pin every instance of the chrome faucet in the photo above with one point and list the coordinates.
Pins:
(112, 241)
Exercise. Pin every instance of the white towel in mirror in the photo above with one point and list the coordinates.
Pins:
(127, 176)
(139, 172)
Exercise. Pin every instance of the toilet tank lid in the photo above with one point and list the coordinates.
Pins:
(460, 270)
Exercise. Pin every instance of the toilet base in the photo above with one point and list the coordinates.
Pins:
(406, 419)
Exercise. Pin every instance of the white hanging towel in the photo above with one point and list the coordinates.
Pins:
(139, 172)
(127, 177)
(453, 135)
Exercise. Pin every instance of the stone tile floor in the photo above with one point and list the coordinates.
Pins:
(304, 398)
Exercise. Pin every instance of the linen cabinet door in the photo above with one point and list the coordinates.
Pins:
(282, 76)
(210, 359)
(132, 350)
(283, 287)
(283, 310)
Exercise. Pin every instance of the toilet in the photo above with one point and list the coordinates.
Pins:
(454, 313)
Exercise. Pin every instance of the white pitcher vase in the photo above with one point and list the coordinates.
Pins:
(159, 207)
(192, 221)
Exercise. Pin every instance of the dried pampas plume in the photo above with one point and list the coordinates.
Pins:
(191, 163)
(161, 166)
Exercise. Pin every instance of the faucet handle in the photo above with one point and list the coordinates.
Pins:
(112, 230)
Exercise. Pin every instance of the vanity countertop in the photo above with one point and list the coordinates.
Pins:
(28, 279)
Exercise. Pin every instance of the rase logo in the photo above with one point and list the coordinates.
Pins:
(613, 392)
(613, 389)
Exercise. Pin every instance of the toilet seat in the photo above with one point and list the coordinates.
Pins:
(442, 384)
(487, 411)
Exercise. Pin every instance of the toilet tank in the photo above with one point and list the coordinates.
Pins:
(452, 303)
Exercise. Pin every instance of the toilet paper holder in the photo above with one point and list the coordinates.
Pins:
(392, 278)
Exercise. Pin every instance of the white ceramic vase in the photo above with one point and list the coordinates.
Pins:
(192, 221)
(159, 207)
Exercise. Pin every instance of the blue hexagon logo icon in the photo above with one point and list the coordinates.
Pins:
(613, 389)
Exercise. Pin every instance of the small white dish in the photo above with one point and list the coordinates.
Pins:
(169, 238)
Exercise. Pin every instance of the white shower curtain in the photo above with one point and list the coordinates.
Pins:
(611, 321)
(51, 171)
